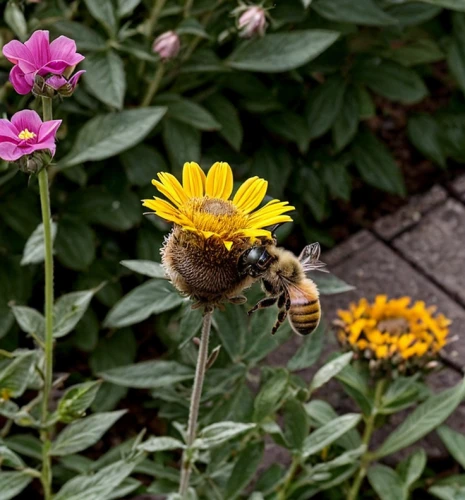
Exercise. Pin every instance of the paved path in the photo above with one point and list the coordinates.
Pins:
(418, 251)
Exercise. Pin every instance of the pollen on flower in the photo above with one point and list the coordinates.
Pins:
(25, 135)
(211, 230)
(393, 333)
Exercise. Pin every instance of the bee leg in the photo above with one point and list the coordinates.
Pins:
(238, 299)
(281, 317)
(261, 304)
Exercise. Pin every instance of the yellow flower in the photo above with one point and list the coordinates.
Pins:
(211, 231)
(393, 331)
(202, 205)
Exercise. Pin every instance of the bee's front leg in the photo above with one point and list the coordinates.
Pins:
(261, 304)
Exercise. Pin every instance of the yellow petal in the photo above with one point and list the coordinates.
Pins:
(219, 183)
(250, 194)
(193, 179)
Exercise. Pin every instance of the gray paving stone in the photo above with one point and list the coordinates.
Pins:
(437, 247)
(391, 225)
(458, 187)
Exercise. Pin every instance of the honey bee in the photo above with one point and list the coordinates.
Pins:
(286, 284)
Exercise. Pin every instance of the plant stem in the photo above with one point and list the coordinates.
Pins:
(187, 8)
(154, 15)
(153, 85)
(48, 347)
(202, 358)
(367, 433)
(282, 495)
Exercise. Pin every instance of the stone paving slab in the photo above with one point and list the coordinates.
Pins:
(409, 215)
(436, 246)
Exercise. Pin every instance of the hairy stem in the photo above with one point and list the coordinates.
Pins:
(48, 345)
(153, 85)
(367, 433)
(202, 358)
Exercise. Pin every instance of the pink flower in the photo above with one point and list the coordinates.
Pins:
(25, 134)
(167, 45)
(37, 56)
(252, 21)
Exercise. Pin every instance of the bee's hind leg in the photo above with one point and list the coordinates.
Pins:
(261, 304)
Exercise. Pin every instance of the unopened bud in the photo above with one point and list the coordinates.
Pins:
(167, 45)
(252, 22)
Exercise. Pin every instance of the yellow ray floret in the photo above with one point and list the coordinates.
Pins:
(202, 204)
(393, 328)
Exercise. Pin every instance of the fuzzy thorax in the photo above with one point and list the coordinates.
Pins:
(203, 268)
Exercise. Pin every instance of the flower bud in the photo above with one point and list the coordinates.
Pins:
(167, 45)
(252, 22)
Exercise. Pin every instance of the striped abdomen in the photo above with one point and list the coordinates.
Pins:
(305, 312)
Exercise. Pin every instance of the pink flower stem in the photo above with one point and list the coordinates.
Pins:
(186, 466)
(46, 477)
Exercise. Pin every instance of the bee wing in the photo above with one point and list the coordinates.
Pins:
(309, 258)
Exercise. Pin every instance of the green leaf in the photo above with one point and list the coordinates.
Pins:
(75, 244)
(15, 376)
(68, 310)
(376, 164)
(34, 251)
(424, 132)
(244, 469)
(83, 433)
(345, 124)
(296, 424)
(337, 178)
(30, 320)
(182, 143)
(281, 51)
(411, 468)
(310, 351)
(105, 136)
(148, 374)
(104, 12)
(329, 370)
(76, 400)
(14, 18)
(142, 164)
(328, 284)
(364, 12)
(391, 80)
(145, 267)
(219, 433)
(227, 116)
(153, 297)
(454, 442)
(105, 77)
(164, 443)
(191, 113)
(448, 4)
(270, 395)
(97, 486)
(12, 483)
(328, 433)
(387, 483)
(423, 420)
(323, 106)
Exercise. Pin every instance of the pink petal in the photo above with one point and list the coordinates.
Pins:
(19, 81)
(39, 46)
(8, 132)
(64, 49)
(27, 119)
(48, 130)
(56, 81)
(10, 151)
(18, 53)
(73, 81)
